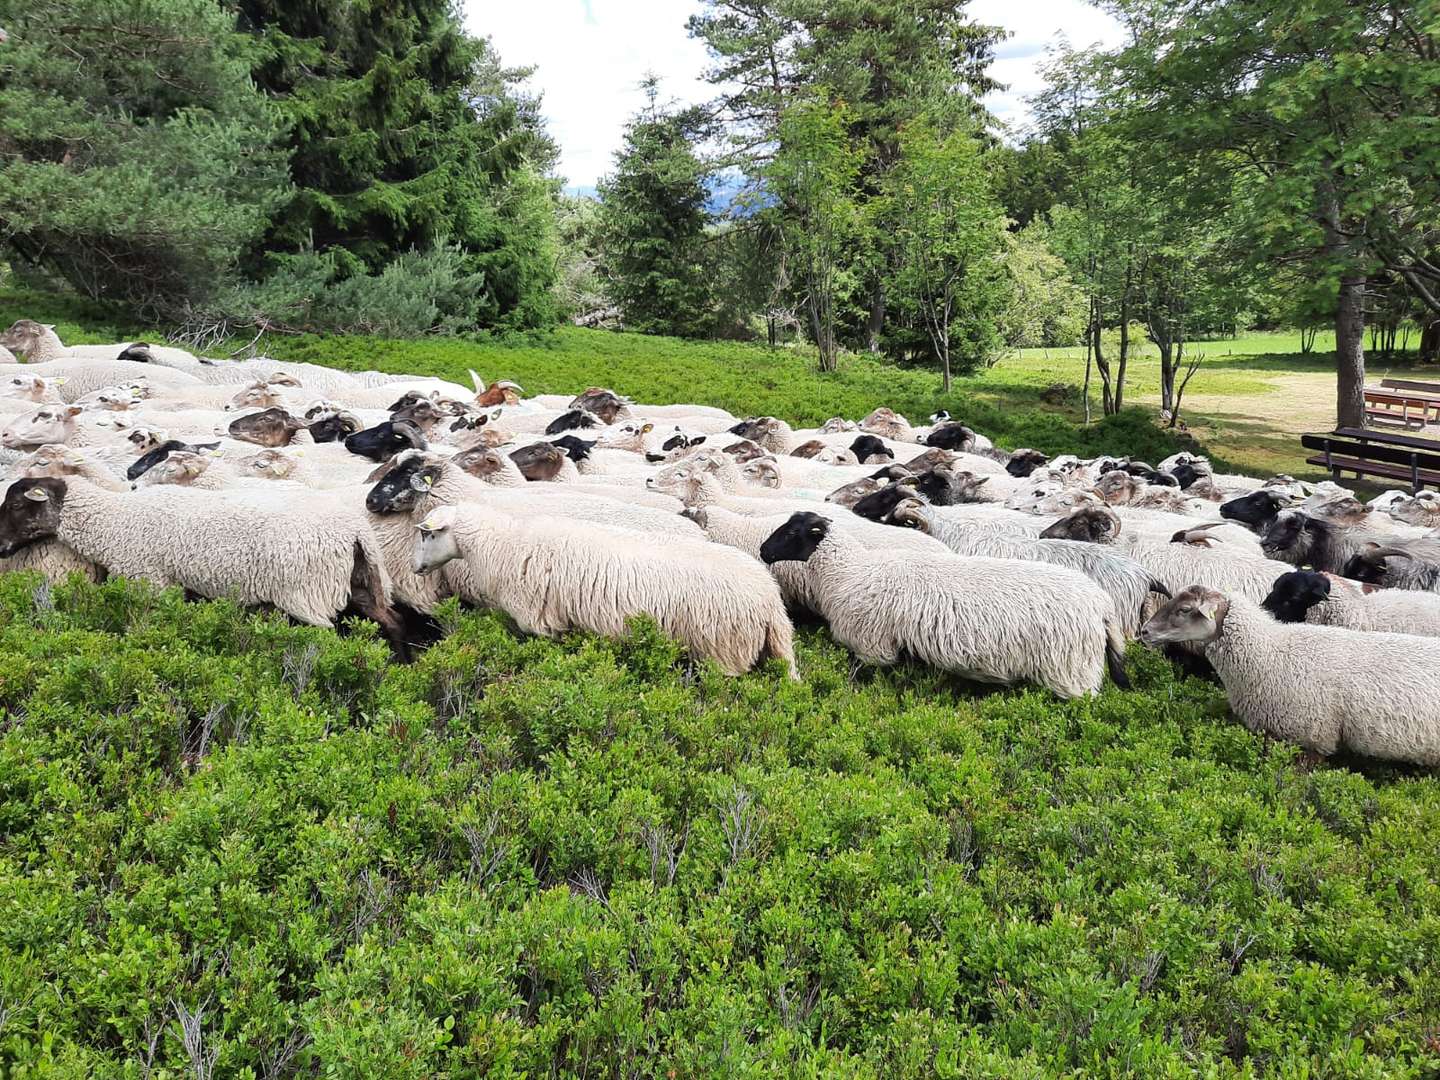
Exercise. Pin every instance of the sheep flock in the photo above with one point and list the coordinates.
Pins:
(323, 493)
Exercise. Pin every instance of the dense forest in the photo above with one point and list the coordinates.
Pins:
(253, 166)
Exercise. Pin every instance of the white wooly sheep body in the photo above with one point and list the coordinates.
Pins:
(618, 464)
(1178, 566)
(453, 486)
(81, 377)
(797, 583)
(41, 344)
(1321, 687)
(53, 559)
(8, 357)
(995, 518)
(633, 494)
(552, 575)
(1394, 611)
(676, 414)
(301, 561)
(991, 620)
(810, 475)
(1128, 583)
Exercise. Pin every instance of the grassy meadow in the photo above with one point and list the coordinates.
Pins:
(232, 846)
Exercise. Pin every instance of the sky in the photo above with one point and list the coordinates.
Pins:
(590, 55)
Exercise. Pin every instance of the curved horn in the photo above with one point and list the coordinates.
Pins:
(1374, 551)
(908, 513)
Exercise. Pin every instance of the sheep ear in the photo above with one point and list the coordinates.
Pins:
(38, 494)
(1206, 607)
(74, 410)
(423, 480)
(442, 517)
(647, 429)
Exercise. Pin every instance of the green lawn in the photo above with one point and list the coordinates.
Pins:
(588, 858)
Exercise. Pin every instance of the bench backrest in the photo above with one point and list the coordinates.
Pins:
(1368, 451)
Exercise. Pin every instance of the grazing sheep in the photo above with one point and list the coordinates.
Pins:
(309, 562)
(552, 575)
(1322, 687)
(1305, 539)
(887, 424)
(748, 531)
(1326, 600)
(385, 440)
(1414, 565)
(61, 461)
(417, 482)
(1125, 581)
(1421, 509)
(73, 379)
(991, 620)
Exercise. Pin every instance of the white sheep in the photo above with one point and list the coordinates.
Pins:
(60, 461)
(749, 532)
(302, 561)
(991, 620)
(552, 575)
(81, 377)
(1330, 600)
(1127, 583)
(1321, 687)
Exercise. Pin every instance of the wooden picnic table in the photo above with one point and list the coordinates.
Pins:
(1382, 403)
(1411, 384)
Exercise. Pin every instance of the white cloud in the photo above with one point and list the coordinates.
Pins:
(590, 56)
(1035, 25)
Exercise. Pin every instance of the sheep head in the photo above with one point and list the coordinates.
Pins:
(1195, 614)
(30, 513)
(435, 540)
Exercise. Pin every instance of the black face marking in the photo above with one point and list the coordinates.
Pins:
(332, 429)
(145, 462)
(1362, 568)
(384, 441)
(138, 353)
(575, 449)
(675, 442)
(407, 399)
(574, 420)
(398, 491)
(1024, 462)
(881, 504)
(796, 540)
(1185, 474)
(868, 446)
(1295, 593)
(1256, 510)
(951, 436)
(25, 520)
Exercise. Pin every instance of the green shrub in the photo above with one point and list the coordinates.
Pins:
(519, 857)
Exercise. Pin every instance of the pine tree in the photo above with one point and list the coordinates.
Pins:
(136, 157)
(653, 220)
(406, 133)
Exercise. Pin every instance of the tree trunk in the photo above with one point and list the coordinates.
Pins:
(945, 365)
(1350, 353)
(1124, 337)
(876, 321)
(1167, 372)
(1430, 341)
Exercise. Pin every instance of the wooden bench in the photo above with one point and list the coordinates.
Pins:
(1375, 453)
(1411, 384)
(1412, 408)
